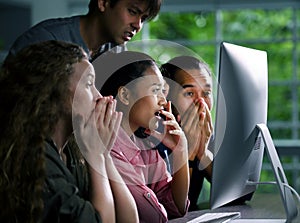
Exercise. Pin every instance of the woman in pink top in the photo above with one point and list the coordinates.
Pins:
(137, 84)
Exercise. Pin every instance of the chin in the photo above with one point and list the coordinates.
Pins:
(153, 124)
(122, 41)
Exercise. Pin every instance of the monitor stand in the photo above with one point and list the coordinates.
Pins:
(281, 180)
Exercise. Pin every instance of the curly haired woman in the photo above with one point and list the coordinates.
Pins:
(43, 178)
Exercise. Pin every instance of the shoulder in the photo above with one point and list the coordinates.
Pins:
(54, 22)
(64, 29)
(54, 165)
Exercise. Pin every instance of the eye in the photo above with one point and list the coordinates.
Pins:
(132, 11)
(188, 94)
(144, 18)
(156, 90)
(206, 93)
(164, 91)
(89, 83)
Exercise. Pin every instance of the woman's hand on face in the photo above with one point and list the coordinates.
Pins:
(98, 133)
(173, 136)
(108, 121)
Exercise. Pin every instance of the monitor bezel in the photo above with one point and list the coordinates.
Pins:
(229, 185)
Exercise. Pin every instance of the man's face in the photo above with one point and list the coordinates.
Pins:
(193, 85)
(124, 20)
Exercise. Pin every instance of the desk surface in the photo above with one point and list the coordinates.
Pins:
(267, 206)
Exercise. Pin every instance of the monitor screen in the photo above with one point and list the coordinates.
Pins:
(242, 97)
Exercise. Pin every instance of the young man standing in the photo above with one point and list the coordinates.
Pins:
(109, 22)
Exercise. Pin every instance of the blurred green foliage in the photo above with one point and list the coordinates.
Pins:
(174, 26)
(269, 30)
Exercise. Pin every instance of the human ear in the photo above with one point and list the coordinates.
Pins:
(102, 5)
(123, 95)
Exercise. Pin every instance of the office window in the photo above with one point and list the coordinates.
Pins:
(275, 30)
(257, 24)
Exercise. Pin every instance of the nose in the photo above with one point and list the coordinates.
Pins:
(162, 99)
(97, 94)
(199, 95)
(138, 24)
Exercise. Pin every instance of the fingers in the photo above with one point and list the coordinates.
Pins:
(170, 121)
(193, 117)
(206, 133)
(108, 115)
(202, 147)
(173, 133)
(172, 124)
(197, 125)
(190, 125)
(100, 110)
(108, 120)
(169, 107)
(105, 110)
(209, 121)
(169, 115)
(115, 127)
(155, 134)
(197, 115)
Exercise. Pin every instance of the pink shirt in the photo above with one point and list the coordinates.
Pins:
(146, 175)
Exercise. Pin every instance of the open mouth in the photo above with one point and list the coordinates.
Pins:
(159, 115)
(159, 119)
(128, 35)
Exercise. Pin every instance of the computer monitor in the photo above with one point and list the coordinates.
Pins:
(241, 133)
(242, 99)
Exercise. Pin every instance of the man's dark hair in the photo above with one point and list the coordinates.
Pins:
(153, 7)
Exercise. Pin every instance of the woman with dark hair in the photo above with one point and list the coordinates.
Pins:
(137, 84)
(42, 177)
